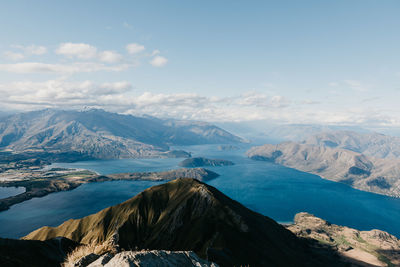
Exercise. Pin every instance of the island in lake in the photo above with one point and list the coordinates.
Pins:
(200, 162)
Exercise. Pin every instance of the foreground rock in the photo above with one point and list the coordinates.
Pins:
(375, 247)
(200, 162)
(376, 175)
(43, 186)
(187, 215)
(151, 258)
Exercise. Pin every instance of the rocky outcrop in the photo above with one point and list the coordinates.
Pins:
(357, 170)
(366, 248)
(200, 162)
(187, 215)
(151, 258)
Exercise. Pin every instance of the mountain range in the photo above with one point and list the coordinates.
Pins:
(371, 144)
(366, 161)
(101, 134)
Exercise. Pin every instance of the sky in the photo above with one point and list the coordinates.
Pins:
(325, 62)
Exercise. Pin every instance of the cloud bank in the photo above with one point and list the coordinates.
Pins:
(123, 98)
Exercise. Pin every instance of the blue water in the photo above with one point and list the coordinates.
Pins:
(273, 190)
(10, 191)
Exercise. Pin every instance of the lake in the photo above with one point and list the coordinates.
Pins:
(275, 191)
(10, 191)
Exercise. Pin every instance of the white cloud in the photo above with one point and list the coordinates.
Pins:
(120, 97)
(13, 56)
(158, 61)
(134, 48)
(79, 50)
(32, 49)
(127, 25)
(333, 84)
(35, 50)
(254, 99)
(155, 52)
(60, 93)
(37, 67)
(110, 56)
(356, 85)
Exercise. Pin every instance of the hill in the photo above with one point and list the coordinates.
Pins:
(187, 215)
(340, 165)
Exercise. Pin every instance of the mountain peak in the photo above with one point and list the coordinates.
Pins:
(186, 214)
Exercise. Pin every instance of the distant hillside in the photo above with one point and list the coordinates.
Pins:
(362, 172)
(102, 134)
(187, 215)
(369, 144)
(300, 132)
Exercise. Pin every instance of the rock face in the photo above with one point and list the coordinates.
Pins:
(200, 162)
(371, 248)
(30, 253)
(187, 215)
(101, 134)
(357, 170)
(152, 258)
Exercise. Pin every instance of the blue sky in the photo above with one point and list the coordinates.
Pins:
(333, 62)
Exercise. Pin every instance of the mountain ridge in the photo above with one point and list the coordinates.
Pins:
(102, 134)
(185, 214)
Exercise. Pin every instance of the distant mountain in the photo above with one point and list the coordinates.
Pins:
(355, 169)
(300, 132)
(370, 144)
(187, 215)
(102, 134)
